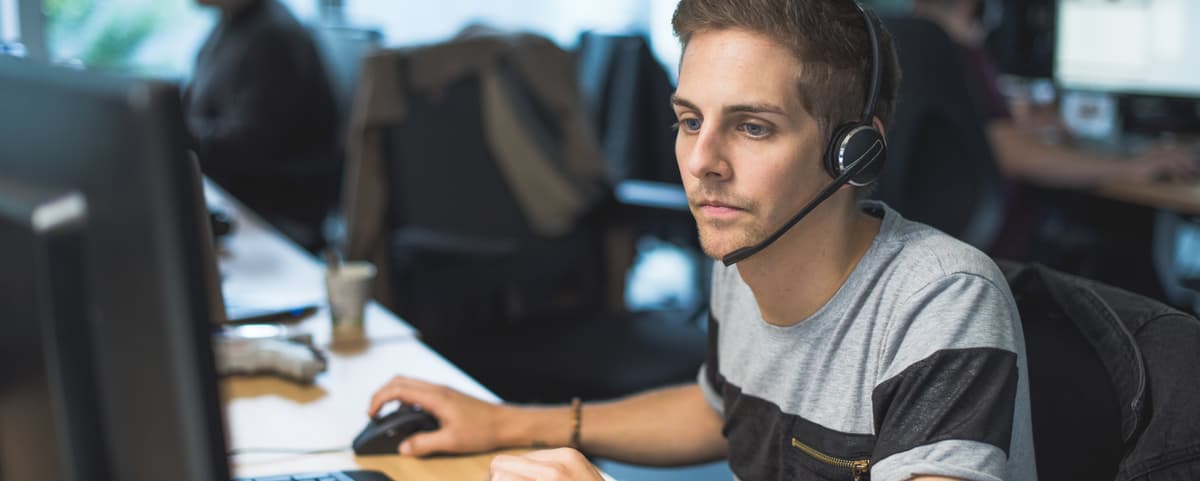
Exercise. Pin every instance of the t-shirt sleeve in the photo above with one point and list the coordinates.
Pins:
(948, 371)
(709, 378)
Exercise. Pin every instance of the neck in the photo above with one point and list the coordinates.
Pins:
(800, 272)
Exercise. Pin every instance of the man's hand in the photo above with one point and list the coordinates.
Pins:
(468, 425)
(564, 464)
(1166, 162)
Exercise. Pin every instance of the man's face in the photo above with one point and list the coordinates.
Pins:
(748, 151)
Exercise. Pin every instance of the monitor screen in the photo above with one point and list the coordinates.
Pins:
(1129, 46)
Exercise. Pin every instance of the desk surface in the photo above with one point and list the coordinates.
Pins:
(1183, 197)
(260, 266)
(272, 413)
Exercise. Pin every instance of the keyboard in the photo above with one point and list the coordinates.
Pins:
(330, 476)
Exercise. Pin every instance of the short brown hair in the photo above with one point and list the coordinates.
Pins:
(829, 36)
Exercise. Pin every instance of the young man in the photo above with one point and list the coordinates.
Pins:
(856, 344)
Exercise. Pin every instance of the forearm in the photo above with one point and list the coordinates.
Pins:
(665, 427)
(1022, 155)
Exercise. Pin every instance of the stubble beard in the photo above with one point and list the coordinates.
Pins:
(718, 240)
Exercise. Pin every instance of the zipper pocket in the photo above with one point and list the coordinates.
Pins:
(857, 467)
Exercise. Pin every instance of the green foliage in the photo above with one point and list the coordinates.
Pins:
(116, 43)
(101, 33)
(70, 12)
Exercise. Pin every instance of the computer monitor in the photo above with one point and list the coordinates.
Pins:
(48, 405)
(140, 304)
(1129, 46)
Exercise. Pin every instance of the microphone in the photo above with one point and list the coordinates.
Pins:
(869, 156)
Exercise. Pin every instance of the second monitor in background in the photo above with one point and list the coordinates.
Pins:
(1129, 46)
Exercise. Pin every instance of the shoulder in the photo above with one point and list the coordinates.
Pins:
(919, 257)
(941, 294)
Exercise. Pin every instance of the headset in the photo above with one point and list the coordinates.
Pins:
(855, 154)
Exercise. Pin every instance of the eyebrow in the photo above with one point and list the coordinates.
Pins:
(746, 108)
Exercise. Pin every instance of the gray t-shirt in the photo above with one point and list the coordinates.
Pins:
(916, 366)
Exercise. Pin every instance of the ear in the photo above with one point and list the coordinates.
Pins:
(878, 124)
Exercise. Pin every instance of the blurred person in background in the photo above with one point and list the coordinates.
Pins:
(1020, 151)
(262, 113)
(1049, 216)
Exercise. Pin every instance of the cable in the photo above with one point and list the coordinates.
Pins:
(241, 451)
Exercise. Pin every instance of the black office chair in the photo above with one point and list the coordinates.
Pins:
(1113, 385)
(530, 315)
(627, 93)
(940, 167)
(342, 49)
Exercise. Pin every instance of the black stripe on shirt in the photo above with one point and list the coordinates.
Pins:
(961, 394)
(711, 361)
(760, 441)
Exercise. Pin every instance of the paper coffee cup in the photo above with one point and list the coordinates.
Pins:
(349, 289)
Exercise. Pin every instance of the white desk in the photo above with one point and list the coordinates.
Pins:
(262, 268)
(260, 265)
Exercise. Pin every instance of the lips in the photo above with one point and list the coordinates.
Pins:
(718, 210)
(716, 203)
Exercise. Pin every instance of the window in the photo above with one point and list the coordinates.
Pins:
(425, 22)
(9, 26)
(143, 36)
(156, 37)
(161, 37)
(10, 29)
(559, 20)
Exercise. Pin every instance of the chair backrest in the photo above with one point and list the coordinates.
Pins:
(443, 175)
(472, 243)
(1074, 405)
(342, 49)
(1112, 379)
(628, 92)
(940, 169)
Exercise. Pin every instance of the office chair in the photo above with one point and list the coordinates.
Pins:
(627, 93)
(940, 167)
(1112, 379)
(342, 49)
(517, 282)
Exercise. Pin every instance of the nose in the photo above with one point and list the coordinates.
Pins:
(703, 156)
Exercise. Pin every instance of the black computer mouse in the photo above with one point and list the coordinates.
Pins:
(383, 435)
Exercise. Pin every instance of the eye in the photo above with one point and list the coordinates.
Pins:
(754, 130)
(690, 124)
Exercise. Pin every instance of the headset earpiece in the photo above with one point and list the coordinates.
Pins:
(860, 140)
(853, 142)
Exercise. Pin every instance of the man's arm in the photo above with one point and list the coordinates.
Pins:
(1021, 154)
(664, 427)
(950, 402)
